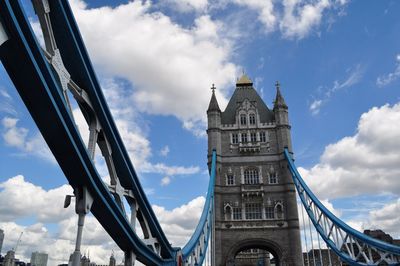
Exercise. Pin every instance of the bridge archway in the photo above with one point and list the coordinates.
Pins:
(261, 244)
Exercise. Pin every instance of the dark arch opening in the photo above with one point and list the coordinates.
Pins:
(255, 257)
(254, 252)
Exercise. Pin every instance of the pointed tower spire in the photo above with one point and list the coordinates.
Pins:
(213, 106)
(279, 100)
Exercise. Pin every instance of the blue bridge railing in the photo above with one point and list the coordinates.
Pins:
(349, 244)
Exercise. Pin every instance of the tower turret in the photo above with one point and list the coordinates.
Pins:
(282, 120)
(214, 124)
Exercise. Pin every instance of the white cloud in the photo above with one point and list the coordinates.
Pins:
(385, 80)
(295, 19)
(265, 10)
(37, 237)
(18, 137)
(179, 223)
(6, 103)
(354, 76)
(366, 162)
(188, 5)
(165, 181)
(387, 218)
(170, 67)
(164, 151)
(162, 168)
(300, 18)
(45, 210)
(19, 198)
(315, 107)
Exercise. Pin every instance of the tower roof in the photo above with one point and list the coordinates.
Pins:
(279, 100)
(213, 106)
(244, 80)
(244, 90)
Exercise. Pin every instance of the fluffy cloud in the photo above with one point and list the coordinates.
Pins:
(179, 223)
(188, 5)
(385, 80)
(18, 137)
(36, 237)
(19, 199)
(295, 19)
(170, 67)
(301, 17)
(387, 218)
(366, 162)
(46, 211)
(265, 10)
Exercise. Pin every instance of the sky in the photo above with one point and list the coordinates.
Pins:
(338, 63)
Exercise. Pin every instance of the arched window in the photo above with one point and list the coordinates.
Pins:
(279, 211)
(243, 120)
(251, 176)
(228, 212)
(252, 119)
(273, 176)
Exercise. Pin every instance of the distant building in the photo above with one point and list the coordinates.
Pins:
(112, 261)
(9, 259)
(323, 257)
(39, 259)
(85, 261)
(379, 234)
(1, 239)
(253, 256)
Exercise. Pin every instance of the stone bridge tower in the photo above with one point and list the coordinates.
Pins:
(255, 199)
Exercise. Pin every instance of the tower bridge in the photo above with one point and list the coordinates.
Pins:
(250, 209)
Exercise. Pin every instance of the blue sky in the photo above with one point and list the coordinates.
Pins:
(338, 63)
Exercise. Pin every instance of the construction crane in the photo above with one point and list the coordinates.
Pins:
(19, 240)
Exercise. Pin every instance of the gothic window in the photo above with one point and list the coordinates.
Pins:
(252, 119)
(263, 137)
(244, 137)
(273, 178)
(279, 210)
(269, 213)
(228, 212)
(235, 138)
(251, 176)
(253, 137)
(237, 213)
(243, 119)
(253, 211)
(230, 180)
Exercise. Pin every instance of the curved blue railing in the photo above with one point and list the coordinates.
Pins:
(349, 244)
(193, 253)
